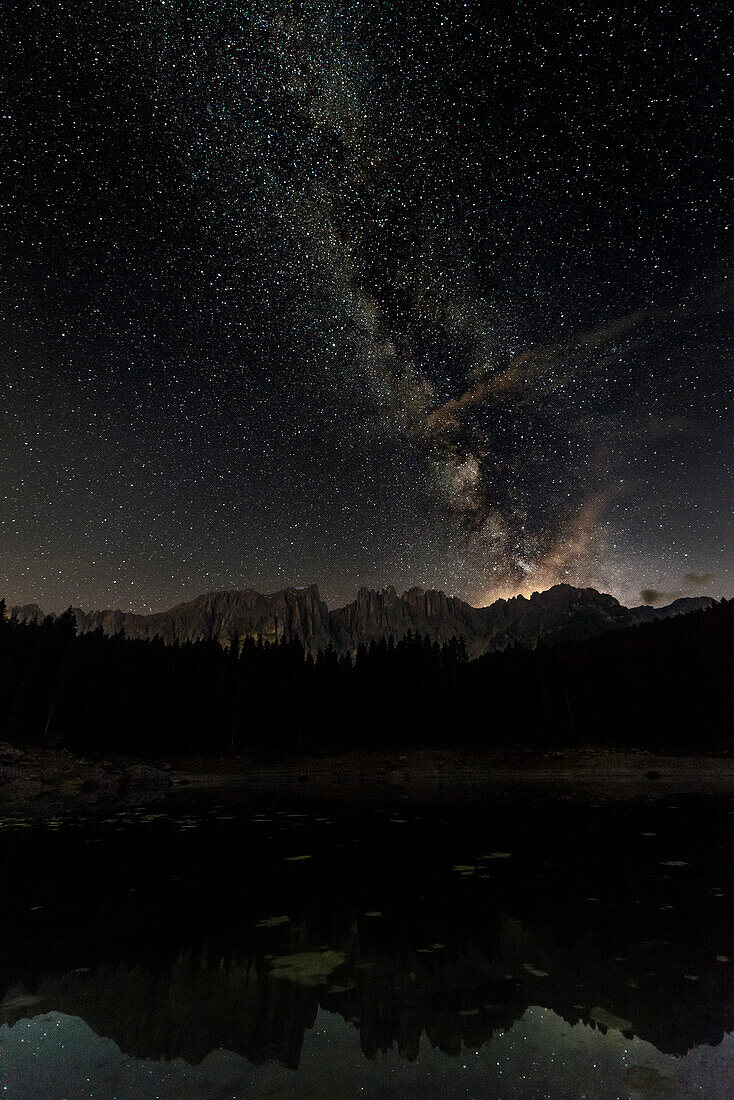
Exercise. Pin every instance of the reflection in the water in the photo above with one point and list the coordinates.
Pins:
(409, 951)
(540, 1055)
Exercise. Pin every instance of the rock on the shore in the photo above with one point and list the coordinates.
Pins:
(9, 754)
(42, 780)
(98, 787)
(139, 782)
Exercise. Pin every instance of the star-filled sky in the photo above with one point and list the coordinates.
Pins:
(432, 293)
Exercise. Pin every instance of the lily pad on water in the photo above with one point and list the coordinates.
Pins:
(17, 1002)
(272, 922)
(608, 1019)
(310, 968)
(673, 863)
(464, 868)
(294, 859)
(536, 973)
(498, 855)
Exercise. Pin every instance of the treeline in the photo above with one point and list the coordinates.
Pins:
(666, 685)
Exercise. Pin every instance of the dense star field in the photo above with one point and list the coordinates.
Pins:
(365, 293)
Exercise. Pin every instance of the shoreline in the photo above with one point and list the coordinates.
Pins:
(47, 784)
(455, 777)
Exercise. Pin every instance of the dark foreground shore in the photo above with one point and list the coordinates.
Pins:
(39, 784)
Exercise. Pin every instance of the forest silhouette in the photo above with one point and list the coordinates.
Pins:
(665, 686)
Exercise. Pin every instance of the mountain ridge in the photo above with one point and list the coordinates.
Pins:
(558, 613)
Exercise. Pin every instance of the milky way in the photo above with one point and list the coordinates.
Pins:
(365, 293)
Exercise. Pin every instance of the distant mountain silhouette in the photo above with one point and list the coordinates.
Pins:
(561, 613)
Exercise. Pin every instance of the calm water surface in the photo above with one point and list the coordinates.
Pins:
(556, 951)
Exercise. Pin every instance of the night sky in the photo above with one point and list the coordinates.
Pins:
(365, 293)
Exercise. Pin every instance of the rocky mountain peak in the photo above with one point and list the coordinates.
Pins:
(562, 611)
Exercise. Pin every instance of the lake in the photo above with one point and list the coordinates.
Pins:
(550, 950)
